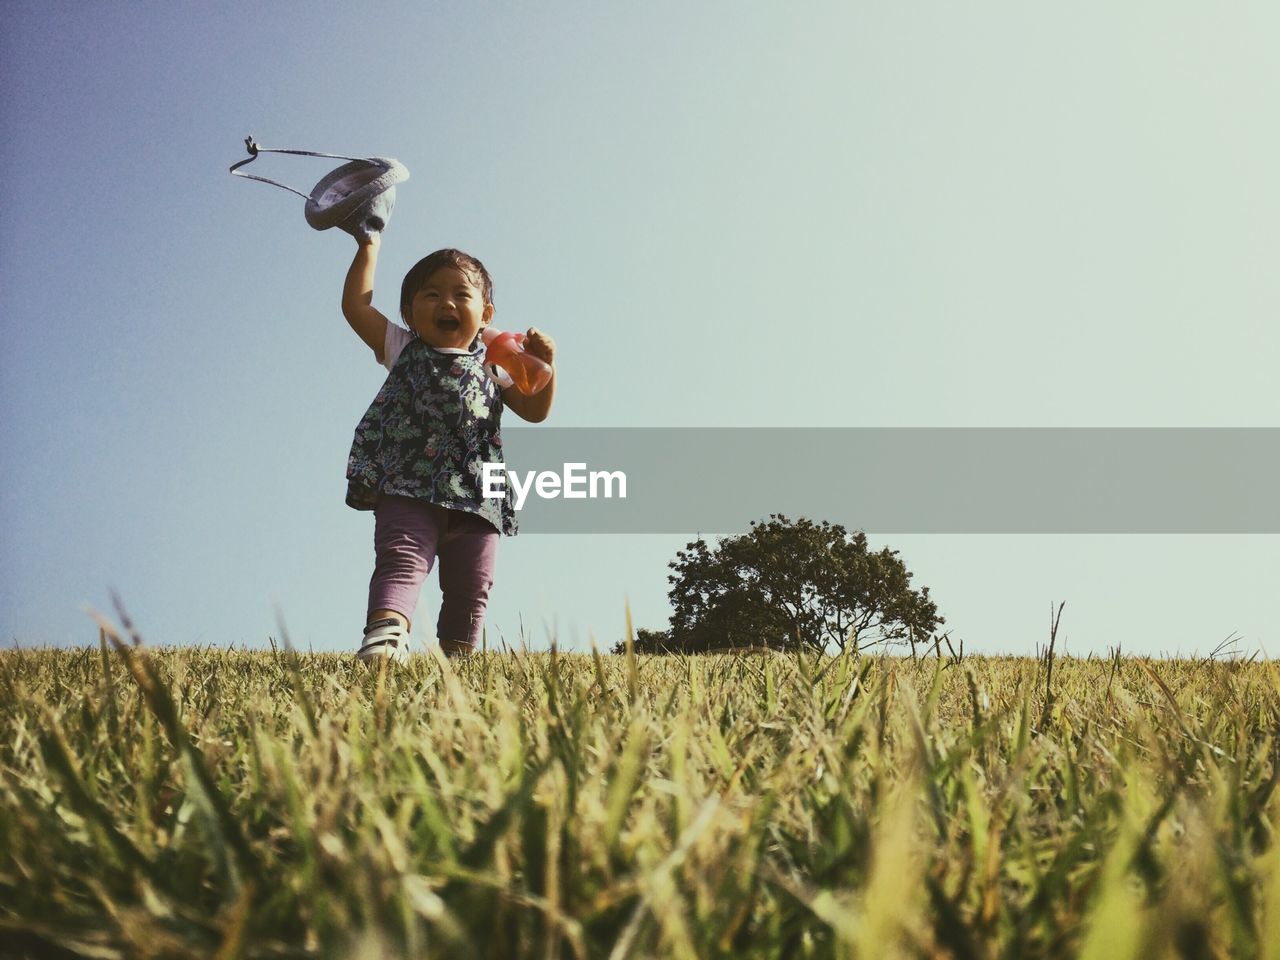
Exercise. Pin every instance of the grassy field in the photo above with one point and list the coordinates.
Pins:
(196, 803)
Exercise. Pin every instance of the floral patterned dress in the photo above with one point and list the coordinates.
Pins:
(427, 434)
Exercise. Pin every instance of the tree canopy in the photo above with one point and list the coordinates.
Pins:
(647, 641)
(788, 583)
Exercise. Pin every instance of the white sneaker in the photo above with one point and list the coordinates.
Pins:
(385, 639)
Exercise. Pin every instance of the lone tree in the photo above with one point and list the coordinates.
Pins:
(647, 641)
(791, 584)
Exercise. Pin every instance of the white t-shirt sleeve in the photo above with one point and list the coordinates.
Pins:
(397, 338)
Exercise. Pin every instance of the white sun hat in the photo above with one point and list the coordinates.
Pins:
(356, 197)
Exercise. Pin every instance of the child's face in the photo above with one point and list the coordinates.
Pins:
(449, 309)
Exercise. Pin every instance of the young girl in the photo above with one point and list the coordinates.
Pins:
(417, 454)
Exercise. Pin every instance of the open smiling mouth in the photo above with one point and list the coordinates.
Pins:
(448, 323)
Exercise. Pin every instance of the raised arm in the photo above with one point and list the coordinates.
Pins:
(357, 297)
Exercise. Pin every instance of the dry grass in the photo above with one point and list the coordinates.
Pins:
(194, 803)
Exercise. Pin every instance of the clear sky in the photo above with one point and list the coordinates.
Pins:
(991, 214)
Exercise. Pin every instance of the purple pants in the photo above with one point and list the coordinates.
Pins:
(409, 536)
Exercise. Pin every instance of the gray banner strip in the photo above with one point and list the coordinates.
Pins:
(903, 480)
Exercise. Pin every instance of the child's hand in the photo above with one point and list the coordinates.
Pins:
(536, 407)
(540, 345)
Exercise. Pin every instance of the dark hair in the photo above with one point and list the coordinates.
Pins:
(424, 268)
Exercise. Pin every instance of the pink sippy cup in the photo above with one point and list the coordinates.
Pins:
(506, 350)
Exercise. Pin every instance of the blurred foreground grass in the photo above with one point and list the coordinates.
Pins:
(194, 803)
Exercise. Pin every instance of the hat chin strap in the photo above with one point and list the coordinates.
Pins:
(254, 150)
